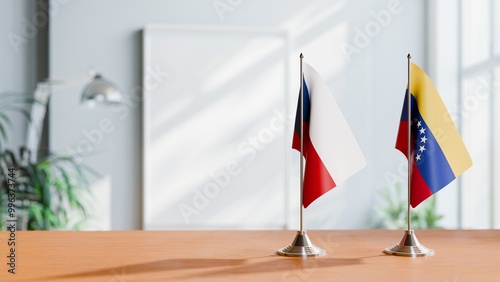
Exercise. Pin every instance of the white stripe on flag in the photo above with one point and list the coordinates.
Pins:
(329, 132)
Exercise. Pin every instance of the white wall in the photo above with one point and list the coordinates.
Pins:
(17, 57)
(369, 87)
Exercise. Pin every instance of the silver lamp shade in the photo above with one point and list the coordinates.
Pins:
(101, 91)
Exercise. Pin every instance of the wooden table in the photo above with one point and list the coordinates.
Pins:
(121, 256)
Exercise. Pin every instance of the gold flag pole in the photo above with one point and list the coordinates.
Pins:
(301, 245)
(409, 246)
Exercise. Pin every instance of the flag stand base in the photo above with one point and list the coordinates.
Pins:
(301, 247)
(409, 247)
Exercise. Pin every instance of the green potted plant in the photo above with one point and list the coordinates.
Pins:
(391, 213)
(51, 192)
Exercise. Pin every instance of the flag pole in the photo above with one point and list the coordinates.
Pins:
(301, 245)
(301, 112)
(408, 101)
(409, 246)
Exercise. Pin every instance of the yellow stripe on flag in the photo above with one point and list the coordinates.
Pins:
(438, 120)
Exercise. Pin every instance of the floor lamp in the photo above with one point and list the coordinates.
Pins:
(96, 90)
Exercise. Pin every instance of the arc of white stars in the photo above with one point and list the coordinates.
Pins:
(423, 139)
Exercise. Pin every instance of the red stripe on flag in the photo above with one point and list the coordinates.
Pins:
(419, 189)
(317, 179)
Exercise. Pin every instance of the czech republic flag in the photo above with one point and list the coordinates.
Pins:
(330, 150)
(438, 154)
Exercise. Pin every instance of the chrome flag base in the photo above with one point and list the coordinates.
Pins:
(301, 247)
(409, 247)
